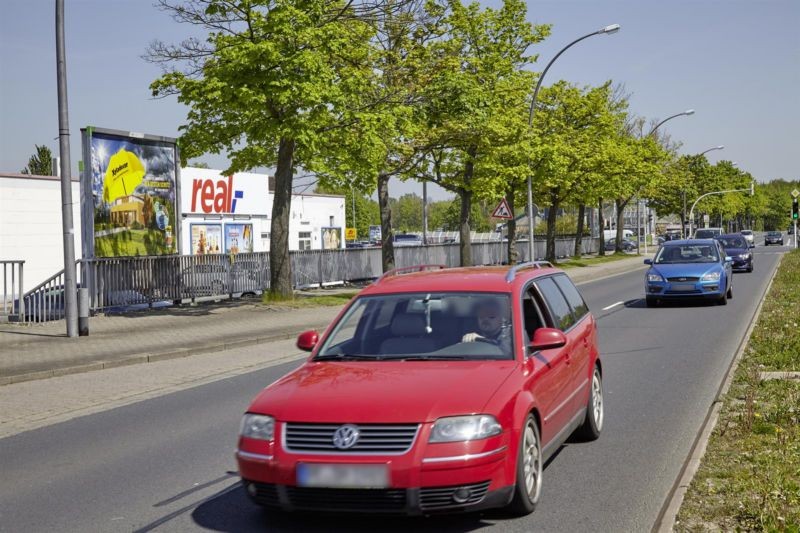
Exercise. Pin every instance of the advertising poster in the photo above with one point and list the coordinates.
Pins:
(374, 234)
(133, 188)
(238, 238)
(331, 238)
(206, 239)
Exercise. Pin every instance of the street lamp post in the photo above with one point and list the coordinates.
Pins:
(683, 114)
(608, 30)
(750, 189)
(683, 193)
(720, 147)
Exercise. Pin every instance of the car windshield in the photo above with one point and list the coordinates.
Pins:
(705, 233)
(774, 234)
(733, 242)
(423, 327)
(687, 253)
(746, 232)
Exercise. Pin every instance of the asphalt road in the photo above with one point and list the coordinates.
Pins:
(166, 464)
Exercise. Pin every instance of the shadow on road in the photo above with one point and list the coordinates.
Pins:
(232, 511)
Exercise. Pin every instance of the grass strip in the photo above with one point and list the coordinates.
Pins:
(749, 479)
(590, 261)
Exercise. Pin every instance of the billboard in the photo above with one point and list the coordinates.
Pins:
(206, 239)
(331, 238)
(238, 238)
(130, 192)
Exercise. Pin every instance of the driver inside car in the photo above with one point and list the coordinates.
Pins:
(493, 325)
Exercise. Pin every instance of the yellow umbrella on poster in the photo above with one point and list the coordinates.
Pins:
(124, 173)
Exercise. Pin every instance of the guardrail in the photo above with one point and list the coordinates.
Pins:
(141, 282)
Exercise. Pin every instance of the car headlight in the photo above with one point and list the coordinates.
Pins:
(744, 256)
(260, 427)
(711, 276)
(464, 428)
(653, 276)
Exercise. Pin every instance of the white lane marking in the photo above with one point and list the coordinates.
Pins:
(612, 305)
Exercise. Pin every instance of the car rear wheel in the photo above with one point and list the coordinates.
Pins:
(593, 423)
(528, 487)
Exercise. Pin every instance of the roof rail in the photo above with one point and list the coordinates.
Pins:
(409, 269)
(512, 272)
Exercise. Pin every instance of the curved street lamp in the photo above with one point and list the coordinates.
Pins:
(685, 113)
(720, 147)
(608, 30)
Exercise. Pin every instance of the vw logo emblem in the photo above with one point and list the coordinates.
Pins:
(345, 437)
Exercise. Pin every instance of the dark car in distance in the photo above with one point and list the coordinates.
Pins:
(773, 237)
(627, 245)
(738, 249)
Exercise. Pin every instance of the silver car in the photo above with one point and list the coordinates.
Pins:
(749, 237)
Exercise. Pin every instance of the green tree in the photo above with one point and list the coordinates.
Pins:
(473, 80)
(40, 163)
(269, 86)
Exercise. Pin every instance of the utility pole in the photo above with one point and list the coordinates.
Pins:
(70, 277)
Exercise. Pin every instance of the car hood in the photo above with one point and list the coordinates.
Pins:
(671, 270)
(387, 392)
(736, 251)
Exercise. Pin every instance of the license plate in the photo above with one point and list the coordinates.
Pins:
(683, 287)
(342, 476)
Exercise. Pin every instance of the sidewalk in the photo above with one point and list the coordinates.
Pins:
(43, 351)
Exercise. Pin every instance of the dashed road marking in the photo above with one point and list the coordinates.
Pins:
(612, 306)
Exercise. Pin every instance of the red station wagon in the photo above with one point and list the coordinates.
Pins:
(434, 390)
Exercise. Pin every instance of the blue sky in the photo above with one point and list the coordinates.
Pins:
(736, 62)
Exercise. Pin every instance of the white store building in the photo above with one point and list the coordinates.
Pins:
(234, 213)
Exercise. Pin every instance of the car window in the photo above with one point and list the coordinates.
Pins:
(559, 308)
(733, 242)
(574, 298)
(688, 253)
(424, 326)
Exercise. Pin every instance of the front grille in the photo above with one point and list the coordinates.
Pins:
(369, 500)
(393, 439)
(684, 278)
(438, 498)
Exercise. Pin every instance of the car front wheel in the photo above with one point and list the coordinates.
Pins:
(528, 487)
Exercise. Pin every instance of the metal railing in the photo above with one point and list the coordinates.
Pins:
(141, 282)
(10, 307)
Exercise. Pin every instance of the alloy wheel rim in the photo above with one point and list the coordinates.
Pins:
(597, 401)
(532, 463)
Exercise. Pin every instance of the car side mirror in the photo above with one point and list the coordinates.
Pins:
(546, 338)
(752, 245)
(307, 340)
(728, 259)
(648, 261)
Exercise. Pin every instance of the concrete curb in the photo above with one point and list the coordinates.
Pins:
(151, 358)
(672, 505)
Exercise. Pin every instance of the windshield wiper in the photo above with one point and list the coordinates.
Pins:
(432, 357)
(346, 357)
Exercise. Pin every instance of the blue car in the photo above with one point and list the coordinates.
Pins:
(696, 268)
(737, 247)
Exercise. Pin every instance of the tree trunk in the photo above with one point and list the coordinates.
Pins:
(387, 241)
(621, 204)
(465, 244)
(550, 253)
(280, 265)
(601, 224)
(511, 229)
(579, 232)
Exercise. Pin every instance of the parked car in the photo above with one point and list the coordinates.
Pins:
(432, 391)
(749, 237)
(707, 233)
(407, 239)
(773, 237)
(689, 269)
(627, 245)
(738, 249)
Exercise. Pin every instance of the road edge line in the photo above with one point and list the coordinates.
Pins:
(665, 521)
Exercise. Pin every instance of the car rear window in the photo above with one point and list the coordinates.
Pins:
(574, 298)
(557, 303)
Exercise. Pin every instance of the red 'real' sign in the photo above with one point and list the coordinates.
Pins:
(214, 196)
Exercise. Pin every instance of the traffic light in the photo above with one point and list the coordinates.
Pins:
(794, 209)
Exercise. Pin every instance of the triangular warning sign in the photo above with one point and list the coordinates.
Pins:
(502, 210)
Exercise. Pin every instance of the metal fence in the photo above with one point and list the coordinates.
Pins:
(136, 282)
(12, 289)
